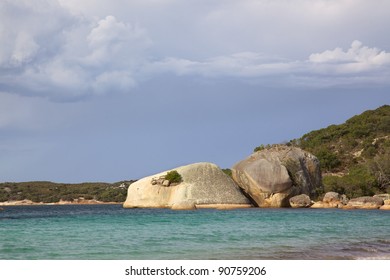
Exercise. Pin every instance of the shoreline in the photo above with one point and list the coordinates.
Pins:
(27, 202)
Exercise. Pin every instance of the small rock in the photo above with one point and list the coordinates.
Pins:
(386, 206)
(365, 202)
(154, 182)
(300, 201)
(331, 197)
(321, 204)
(344, 199)
(184, 205)
(166, 183)
(332, 200)
(384, 196)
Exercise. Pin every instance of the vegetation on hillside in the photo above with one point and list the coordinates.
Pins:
(49, 192)
(355, 155)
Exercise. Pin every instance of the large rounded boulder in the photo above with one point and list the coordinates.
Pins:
(273, 175)
(202, 185)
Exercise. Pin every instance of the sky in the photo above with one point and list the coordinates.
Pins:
(111, 90)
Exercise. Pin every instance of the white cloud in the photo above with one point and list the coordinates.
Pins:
(112, 39)
(25, 49)
(29, 30)
(358, 65)
(71, 49)
(74, 57)
(245, 64)
(356, 53)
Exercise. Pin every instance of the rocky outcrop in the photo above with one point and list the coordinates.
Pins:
(300, 201)
(330, 197)
(384, 196)
(331, 200)
(203, 184)
(273, 175)
(365, 202)
(386, 205)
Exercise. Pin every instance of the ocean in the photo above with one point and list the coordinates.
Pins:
(110, 232)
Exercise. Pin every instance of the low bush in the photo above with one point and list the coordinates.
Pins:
(173, 177)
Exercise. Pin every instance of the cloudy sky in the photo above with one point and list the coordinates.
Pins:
(108, 90)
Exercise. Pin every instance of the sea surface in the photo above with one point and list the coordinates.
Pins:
(109, 232)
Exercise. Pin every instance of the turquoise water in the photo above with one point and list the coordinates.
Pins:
(110, 232)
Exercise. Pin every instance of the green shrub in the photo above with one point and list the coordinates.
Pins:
(328, 160)
(259, 148)
(358, 182)
(173, 177)
(227, 171)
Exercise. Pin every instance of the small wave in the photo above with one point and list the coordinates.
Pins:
(378, 257)
(384, 241)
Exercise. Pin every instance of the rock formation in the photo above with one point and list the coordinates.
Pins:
(331, 200)
(386, 205)
(273, 175)
(384, 196)
(300, 201)
(365, 202)
(202, 185)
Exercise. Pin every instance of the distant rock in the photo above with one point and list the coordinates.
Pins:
(331, 197)
(331, 200)
(184, 205)
(384, 196)
(365, 202)
(300, 201)
(321, 204)
(203, 184)
(273, 175)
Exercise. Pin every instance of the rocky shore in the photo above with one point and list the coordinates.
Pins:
(335, 200)
(280, 176)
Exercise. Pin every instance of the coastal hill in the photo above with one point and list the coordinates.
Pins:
(49, 192)
(355, 155)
